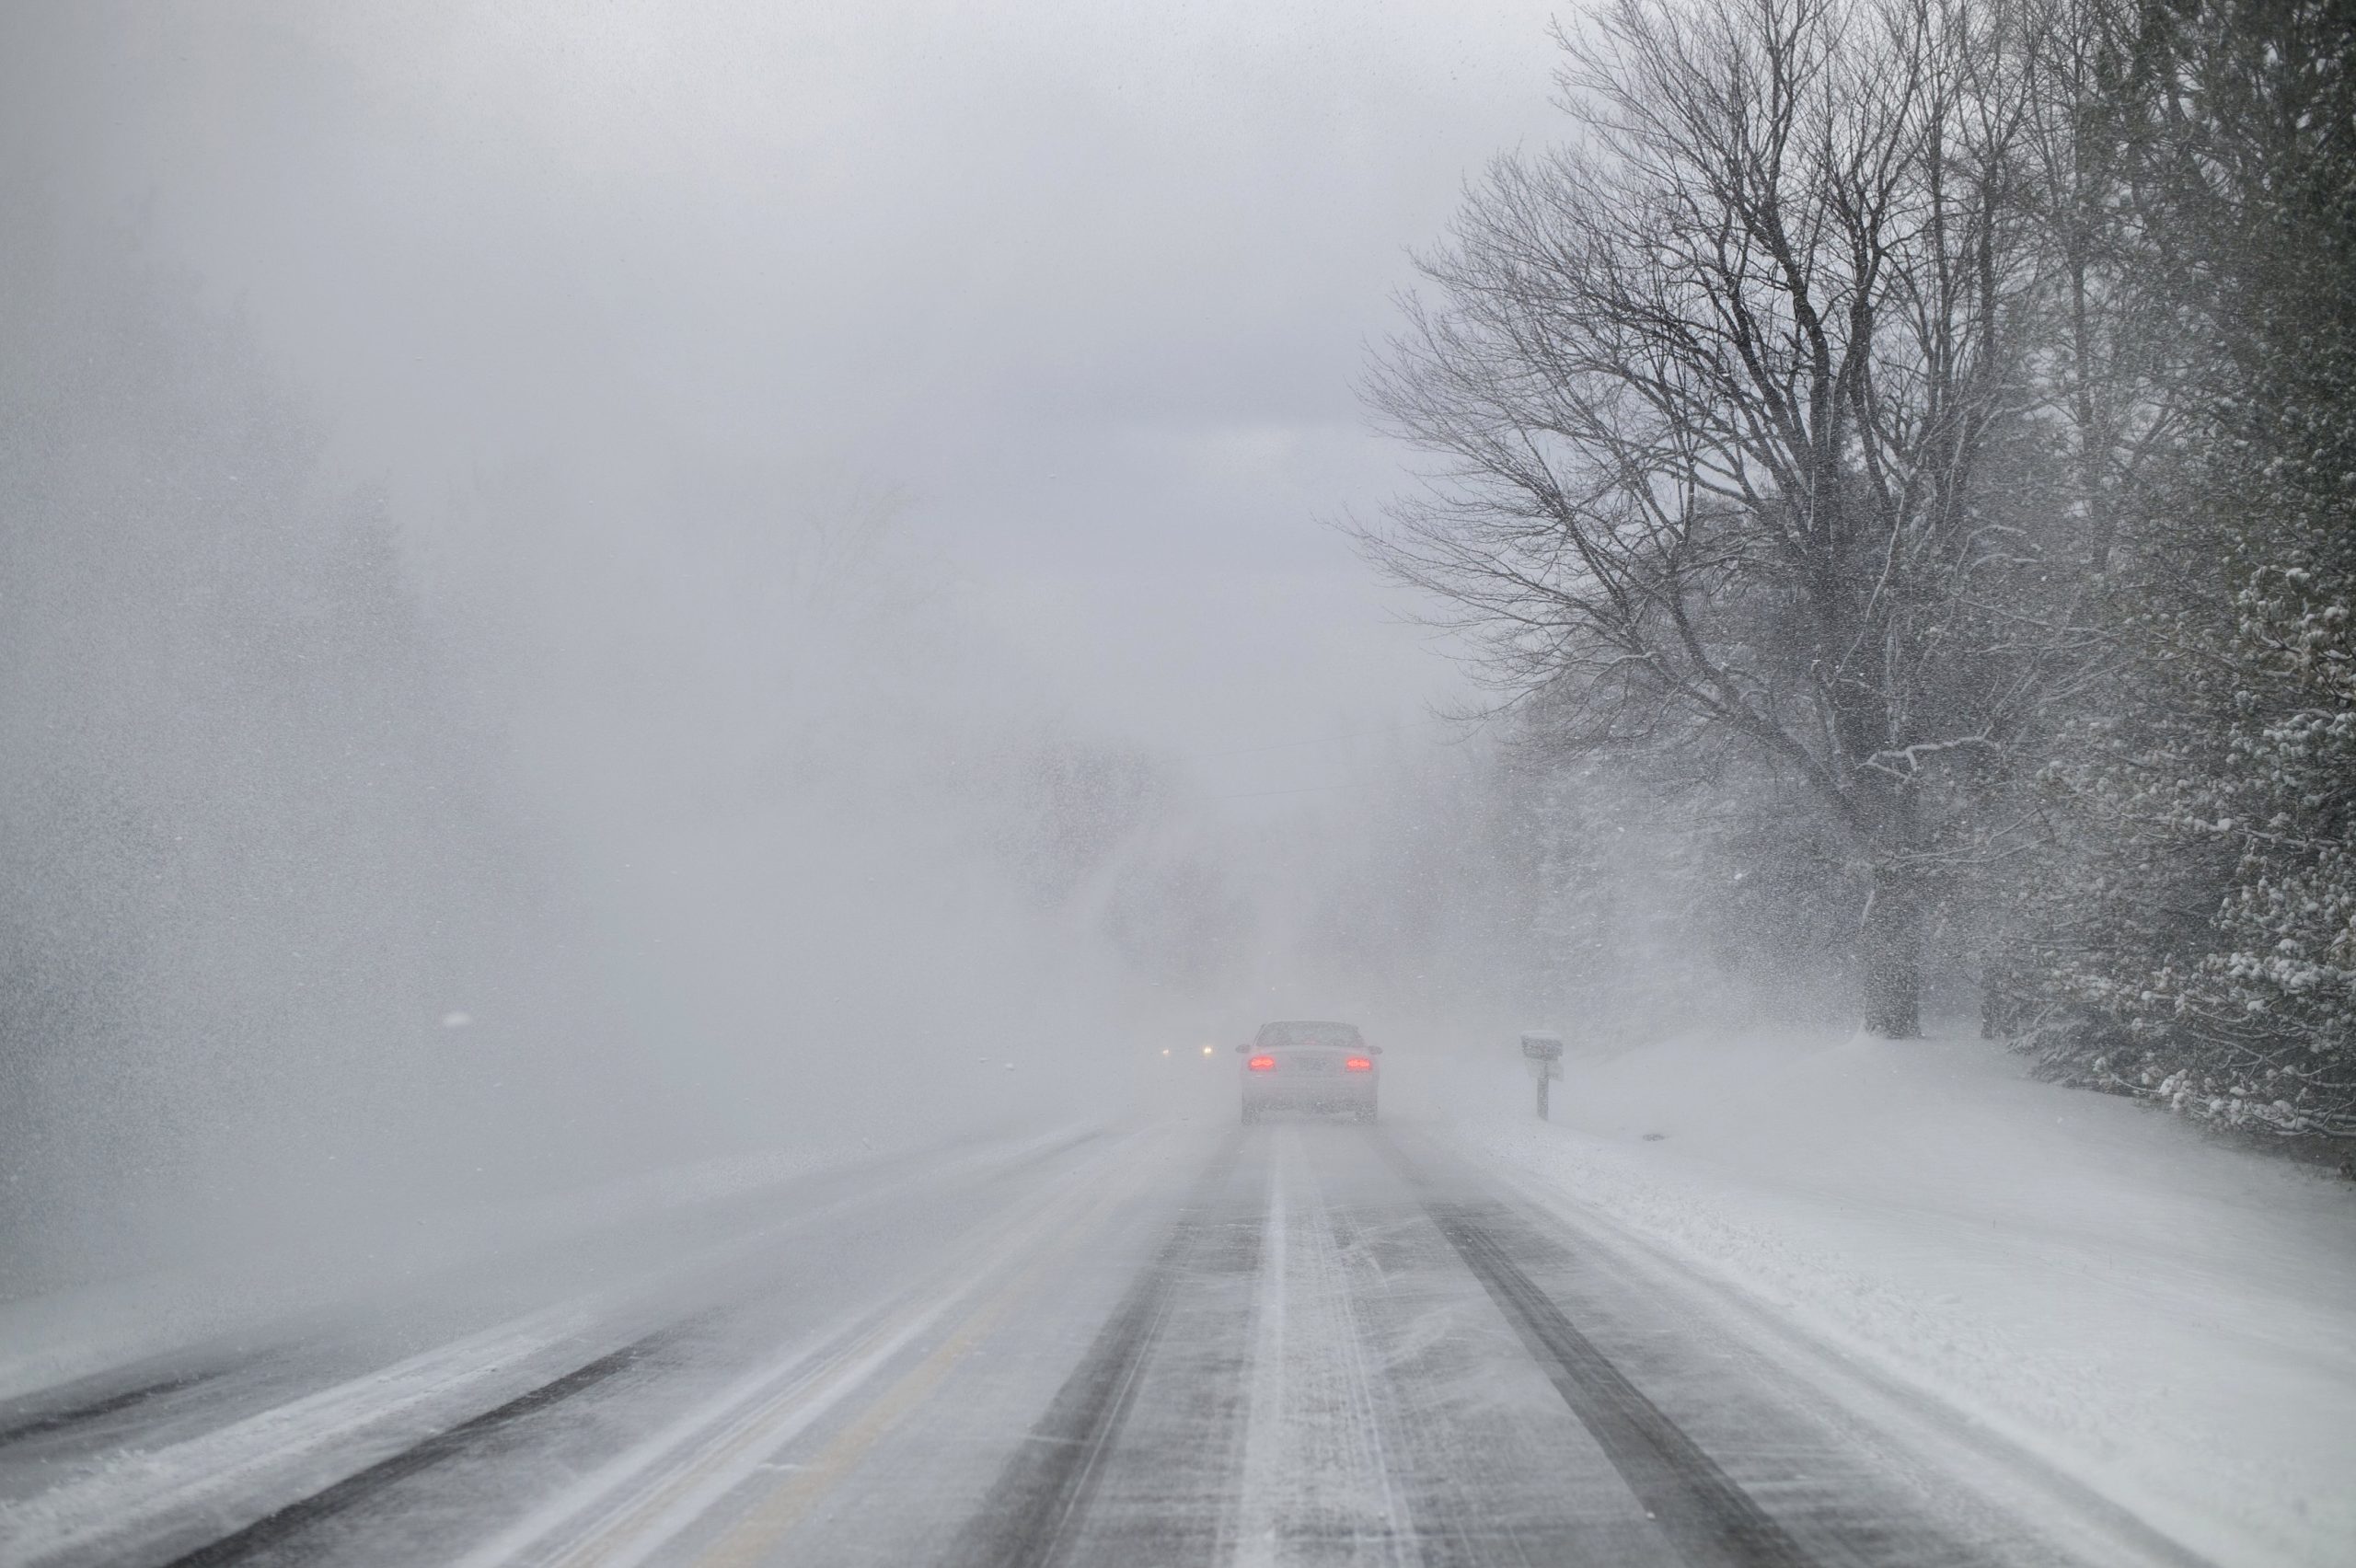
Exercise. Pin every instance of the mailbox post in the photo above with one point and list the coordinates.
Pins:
(1544, 1054)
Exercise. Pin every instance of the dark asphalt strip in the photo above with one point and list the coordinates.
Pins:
(1709, 1521)
(273, 1528)
(130, 1399)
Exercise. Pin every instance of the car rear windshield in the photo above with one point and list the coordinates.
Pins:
(1342, 1034)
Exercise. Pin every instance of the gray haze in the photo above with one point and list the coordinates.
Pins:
(593, 585)
(1089, 286)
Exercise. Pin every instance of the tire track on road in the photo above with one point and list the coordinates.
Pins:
(355, 1490)
(67, 1418)
(1710, 1521)
(1031, 1516)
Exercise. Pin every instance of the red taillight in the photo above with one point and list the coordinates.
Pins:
(1358, 1065)
(1262, 1063)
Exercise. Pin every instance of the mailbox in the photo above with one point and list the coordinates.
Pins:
(1544, 1054)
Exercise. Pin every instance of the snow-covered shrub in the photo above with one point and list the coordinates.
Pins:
(2188, 932)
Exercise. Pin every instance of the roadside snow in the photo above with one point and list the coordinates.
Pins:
(49, 1340)
(2170, 1322)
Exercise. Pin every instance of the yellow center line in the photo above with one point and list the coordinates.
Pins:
(629, 1534)
(749, 1541)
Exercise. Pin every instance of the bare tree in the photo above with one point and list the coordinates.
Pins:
(1735, 401)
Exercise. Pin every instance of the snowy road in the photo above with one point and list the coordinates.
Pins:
(1186, 1344)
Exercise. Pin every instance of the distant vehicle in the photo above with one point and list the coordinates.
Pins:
(1323, 1068)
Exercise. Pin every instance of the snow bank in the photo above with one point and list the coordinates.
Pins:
(2170, 1322)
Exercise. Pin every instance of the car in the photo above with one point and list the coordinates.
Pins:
(1310, 1066)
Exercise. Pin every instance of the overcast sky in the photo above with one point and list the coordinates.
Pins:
(1089, 284)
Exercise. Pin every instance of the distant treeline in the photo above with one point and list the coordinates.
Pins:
(1896, 465)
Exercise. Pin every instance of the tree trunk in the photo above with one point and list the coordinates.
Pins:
(1892, 947)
